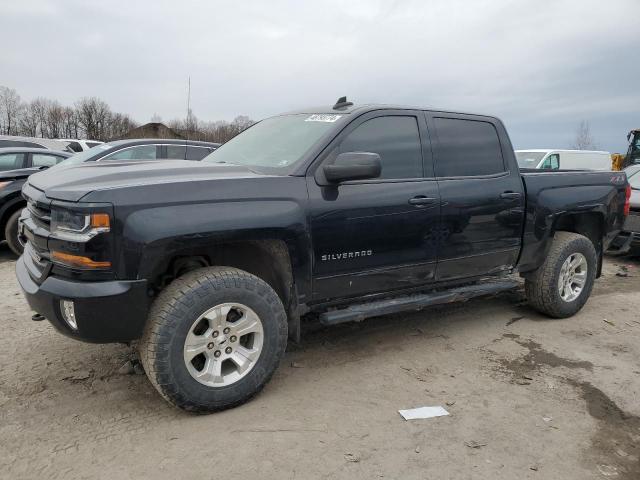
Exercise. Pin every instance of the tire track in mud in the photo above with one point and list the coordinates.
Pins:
(615, 447)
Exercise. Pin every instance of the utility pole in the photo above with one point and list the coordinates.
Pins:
(188, 106)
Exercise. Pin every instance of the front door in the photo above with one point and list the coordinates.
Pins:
(376, 235)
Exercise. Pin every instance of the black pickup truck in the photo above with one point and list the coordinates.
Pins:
(334, 214)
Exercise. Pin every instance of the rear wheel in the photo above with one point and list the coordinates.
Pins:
(213, 339)
(562, 285)
(11, 233)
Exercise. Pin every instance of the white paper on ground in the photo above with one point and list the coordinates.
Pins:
(423, 412)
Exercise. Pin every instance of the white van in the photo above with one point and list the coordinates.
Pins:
(564, 159)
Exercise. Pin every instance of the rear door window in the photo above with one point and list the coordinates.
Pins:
(45, 160)
(11, 161)
(467, 148)
(176, 152)
(197, 153)
(139, 152)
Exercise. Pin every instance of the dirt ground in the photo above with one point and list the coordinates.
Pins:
(529, 398)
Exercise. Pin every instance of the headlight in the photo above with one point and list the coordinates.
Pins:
(78, 227)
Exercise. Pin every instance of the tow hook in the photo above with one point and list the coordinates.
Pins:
(36, 317)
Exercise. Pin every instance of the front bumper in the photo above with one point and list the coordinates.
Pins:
(105, 312)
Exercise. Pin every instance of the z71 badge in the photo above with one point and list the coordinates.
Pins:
(346, 255)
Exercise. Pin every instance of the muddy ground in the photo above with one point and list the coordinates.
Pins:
(529, 397)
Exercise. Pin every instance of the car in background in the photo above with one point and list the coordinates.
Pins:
(80, 145)
(563, 159)
(16, 164)
(144, 149)
(628, 241)
(32, 142)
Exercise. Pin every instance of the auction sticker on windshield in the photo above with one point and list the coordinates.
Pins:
(322, 117)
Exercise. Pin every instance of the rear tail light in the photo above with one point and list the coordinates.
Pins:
(627, 200)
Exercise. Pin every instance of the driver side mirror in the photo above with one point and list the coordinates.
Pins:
(353, 166)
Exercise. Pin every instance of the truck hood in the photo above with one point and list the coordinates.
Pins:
(76, 181)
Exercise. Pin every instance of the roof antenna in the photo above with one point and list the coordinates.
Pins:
(342, 103)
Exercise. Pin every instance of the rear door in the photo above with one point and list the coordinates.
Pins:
(45, 159)
(482, 199)
(378, 234)
(195, 152)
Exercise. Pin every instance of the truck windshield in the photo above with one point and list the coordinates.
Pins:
(277, 142)
(529, 159)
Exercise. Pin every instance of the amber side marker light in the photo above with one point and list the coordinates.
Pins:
(100, 220)
(78, 260)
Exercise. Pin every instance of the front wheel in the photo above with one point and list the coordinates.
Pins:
(562, 284)
(213, 339)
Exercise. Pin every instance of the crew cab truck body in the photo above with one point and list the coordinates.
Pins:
(336, 213)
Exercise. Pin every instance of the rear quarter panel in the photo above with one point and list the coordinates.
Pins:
(552, 195)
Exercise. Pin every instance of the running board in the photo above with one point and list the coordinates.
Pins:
(361, 311)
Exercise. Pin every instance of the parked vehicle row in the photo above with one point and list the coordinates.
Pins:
(80, 145)
(16, 164)
(32, 142)
(145, 149)
(336, 214)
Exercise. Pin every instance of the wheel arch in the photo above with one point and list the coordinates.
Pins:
(267, 259)
(588, 224)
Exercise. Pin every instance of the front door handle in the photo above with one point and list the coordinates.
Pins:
(421, 200)
(510, 195)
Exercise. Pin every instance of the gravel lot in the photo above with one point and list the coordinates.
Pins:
(529, 397)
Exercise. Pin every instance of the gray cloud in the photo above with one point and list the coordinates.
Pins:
(541, 66)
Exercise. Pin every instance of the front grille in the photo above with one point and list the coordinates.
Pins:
(41, 214)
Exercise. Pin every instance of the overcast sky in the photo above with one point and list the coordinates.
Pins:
(542, 66)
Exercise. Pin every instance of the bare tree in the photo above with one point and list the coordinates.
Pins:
(118, 125)
(55, 119)
(93, 116)
(29, 120)
(10, 108)
(71, 128)
(156, 118)
(584, 139)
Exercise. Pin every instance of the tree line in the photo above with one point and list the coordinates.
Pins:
(92, 118)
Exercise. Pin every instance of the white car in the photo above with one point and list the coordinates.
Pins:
(80, 145)
(564, 159)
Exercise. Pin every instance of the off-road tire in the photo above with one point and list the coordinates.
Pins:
(541, 286)
(11, 233)
(173, 313)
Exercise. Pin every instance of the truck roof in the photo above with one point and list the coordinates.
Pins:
(364, 108)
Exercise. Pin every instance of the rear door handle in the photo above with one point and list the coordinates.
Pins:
(510, 195)
(422, 200)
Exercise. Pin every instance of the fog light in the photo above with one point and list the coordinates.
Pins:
(68, 313)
